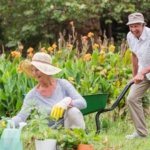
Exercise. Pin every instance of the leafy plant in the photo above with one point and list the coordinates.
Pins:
(67, 139)
(37, 125)
(3, 123)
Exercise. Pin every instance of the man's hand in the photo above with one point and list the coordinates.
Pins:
(138, 78)
(59, 108)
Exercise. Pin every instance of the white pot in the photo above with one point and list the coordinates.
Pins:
(48, 144)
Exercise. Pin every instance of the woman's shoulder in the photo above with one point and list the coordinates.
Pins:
(63, 82)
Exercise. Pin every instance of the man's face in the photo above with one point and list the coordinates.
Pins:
(136, 29)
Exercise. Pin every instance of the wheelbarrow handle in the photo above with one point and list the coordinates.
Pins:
(113, 106)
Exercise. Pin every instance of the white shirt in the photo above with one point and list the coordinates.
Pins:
(141, 48)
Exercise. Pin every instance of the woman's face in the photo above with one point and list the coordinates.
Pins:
(38, 74)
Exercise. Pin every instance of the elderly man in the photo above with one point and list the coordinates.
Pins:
(139, 42)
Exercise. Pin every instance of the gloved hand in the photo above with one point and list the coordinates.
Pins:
(59, 108)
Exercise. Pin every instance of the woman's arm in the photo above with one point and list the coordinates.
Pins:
(77, 100)
(22, 115)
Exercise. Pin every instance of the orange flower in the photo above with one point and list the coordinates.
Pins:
(66, 55)
(17, 54)
(19, 69)
(54, 45)
(70, 79)
(95, 46)
(84, 38)
(13, 53)
(70, 47)
(112, 48)
(27, 60)
(43, 49)
(103, 48)
(50, 49)
(90, 34)
(87, 57)
(20, 48)
(71, 22)
(56, 64)
(59, 52)
(30, 55)
(30, 50)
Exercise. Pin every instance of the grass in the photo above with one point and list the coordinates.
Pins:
(115, 132)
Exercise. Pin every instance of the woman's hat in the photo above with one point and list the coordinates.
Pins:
(42, 62)
(135, 18)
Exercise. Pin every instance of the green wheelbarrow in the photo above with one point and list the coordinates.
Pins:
(97, 103)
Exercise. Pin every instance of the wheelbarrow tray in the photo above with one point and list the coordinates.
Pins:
(95, 102)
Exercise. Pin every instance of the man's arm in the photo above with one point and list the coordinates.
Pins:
(137, 78)
(134, 64)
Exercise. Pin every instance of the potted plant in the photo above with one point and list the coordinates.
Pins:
(67, 140)
(87, 141)
(37, 129)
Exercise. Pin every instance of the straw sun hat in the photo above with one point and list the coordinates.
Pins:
(42, 62)
(135, 18)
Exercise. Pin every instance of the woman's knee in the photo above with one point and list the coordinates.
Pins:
(74, 118)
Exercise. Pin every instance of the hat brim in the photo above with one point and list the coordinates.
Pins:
(135, 22)
(25, 66)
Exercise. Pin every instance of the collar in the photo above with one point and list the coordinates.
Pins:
(143, 35)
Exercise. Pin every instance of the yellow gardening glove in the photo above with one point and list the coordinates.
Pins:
(59, 108)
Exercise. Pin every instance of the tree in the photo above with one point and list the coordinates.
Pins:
(27, 20)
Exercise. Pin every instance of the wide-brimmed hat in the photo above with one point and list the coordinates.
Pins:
(135, 18)
(42, 62)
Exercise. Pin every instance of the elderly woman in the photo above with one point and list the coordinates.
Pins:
(58, 94)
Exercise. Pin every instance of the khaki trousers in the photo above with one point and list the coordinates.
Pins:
(134, 101)
(73, 118)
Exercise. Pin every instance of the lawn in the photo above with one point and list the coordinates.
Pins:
(113, 133)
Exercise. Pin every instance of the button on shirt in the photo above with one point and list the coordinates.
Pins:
(141, 48)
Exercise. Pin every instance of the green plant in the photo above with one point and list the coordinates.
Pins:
(90, 138)
(37, 124)
(67, 139)
(3, 123)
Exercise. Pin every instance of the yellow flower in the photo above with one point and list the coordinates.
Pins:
(87, 57)
(43, 49)
(30, 55)
(13, 53)
(30, 50)
(27, 60)
(20, 48)
(59, 52)
(3, 124)
(19, 69)
(71, 22)
(90, 34)
(54, 45)
(17, 54)
(103, 48)
(70, 47)
(102, 52)
(56, 64)
(84, 38)
(66, 55)
(50, 49)
(112, 48)
(70, 79)
(95, 46)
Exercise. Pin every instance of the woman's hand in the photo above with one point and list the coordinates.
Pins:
(59, 108)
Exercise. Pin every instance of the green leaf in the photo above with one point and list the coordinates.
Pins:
(2, 95)
(95, 58)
